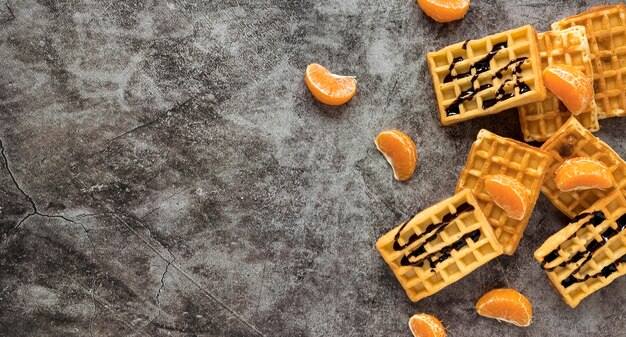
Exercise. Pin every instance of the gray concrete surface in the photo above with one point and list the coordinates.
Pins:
(165, 171)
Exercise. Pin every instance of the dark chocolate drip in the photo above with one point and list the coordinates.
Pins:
(435, 258)
(595, 218)
(479, 67)
(605, 272)
(431, 229)
(501, 94)
(465, 44)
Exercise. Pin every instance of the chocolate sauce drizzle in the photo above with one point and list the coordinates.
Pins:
(430, 234)
(481, 67)
(595, 219)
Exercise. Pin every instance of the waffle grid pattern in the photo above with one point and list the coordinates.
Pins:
(582, 143)
(613, 207)
(492, 154)
(606, 33)
(540, 120)
(420, 282)
(521, 42)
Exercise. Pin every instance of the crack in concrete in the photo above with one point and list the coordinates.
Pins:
(163, 281)
(11, 18)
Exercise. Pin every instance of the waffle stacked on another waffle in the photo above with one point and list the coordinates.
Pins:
(573, 140)
(606, 33)
(485, 76)
(492, 154)
(540, 120)
(590, 252)
(439, 245)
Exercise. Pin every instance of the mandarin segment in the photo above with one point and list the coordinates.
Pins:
(507, 305)
(583, 173)
(509, 194)
(400, 152)
(444, 10)
(570, 85)
(329, 88)
(424, 325)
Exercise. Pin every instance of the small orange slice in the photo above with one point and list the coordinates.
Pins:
(400, 152)
(583, 173)
(424, 325)
(509, 194)
(506, 305)
(329, 88)
(570, 85)
(444, 10)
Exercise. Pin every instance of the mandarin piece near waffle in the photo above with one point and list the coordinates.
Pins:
(606, 33)
(570, 85)
(400, 152)
(507, 305)
(494, 155)
(425, 325)
(540, 120)
(485, 76)
(570, 141)
(583, 173)
(590, 252)
(439, 245)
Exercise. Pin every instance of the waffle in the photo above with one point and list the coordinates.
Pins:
(589, 253)
(485, 76)
(540, 120)
(606, 33)
(428, 239)
(573, 140)
(492, 154)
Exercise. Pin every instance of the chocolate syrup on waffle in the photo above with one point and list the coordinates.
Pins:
(431, 233)
(596, 219)
(481, 67)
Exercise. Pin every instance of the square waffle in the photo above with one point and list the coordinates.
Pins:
(492, 154)
(606, 33)
(485, 76)
(439, 245)
(540, 120)
(573, 140)
(590, 252)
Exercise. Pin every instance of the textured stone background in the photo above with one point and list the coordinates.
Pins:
(165, 171)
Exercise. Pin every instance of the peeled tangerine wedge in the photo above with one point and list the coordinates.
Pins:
(400, 152)
(509, 194)
(329, 88)
(583, 173)
(506, 305)
(424, 325)
(444, 10)
(570, 85)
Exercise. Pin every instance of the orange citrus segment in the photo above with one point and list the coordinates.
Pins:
(583, 173)
(329, 88)
(506, 305)
(570, 85)
(424, 325)
(400, 152)
(509, 194)
(444, 10)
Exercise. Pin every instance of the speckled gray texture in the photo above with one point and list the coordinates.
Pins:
(169, 174)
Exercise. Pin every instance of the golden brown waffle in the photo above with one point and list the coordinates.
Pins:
(606, 33)
(492, 154)
(590, 252)
(419, 251)
(573, 140)
(540, 120)
(485, 76)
